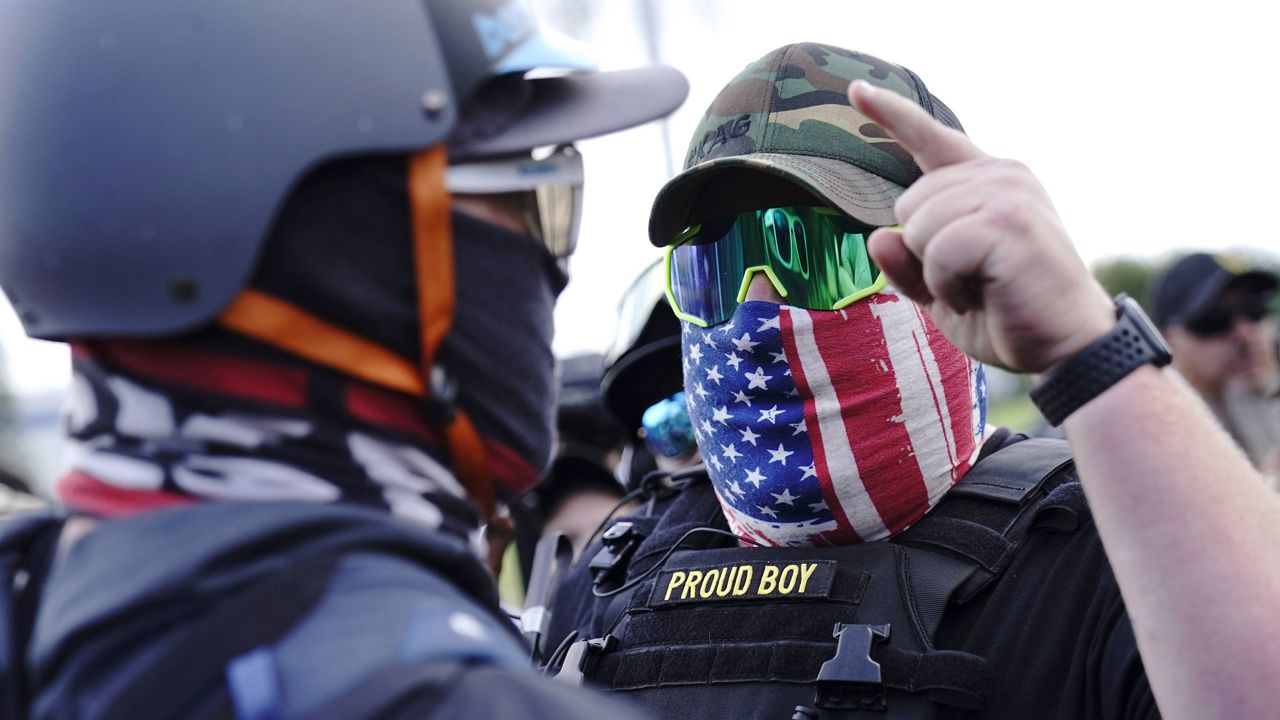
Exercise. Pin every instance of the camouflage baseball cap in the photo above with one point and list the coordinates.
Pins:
(783, 133)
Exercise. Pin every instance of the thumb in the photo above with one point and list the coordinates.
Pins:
(932, 144)
(895, 260)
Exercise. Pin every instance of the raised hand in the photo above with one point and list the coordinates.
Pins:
(981, 247)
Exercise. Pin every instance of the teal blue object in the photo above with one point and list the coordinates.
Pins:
(668, 430)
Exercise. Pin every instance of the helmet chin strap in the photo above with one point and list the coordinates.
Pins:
(283, 325)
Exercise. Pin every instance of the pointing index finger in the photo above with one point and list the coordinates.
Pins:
(931, 143)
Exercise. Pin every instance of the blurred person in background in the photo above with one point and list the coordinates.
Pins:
(867, 544)
(306, 255)
(580, 488)
(585, 427)
(1218, 316)
(644, 386)
(574, 497)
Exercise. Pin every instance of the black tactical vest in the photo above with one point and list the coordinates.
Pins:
(688, 624)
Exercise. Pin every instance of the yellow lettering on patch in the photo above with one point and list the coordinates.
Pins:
(724, 585)
(676, 578)
(768, 580)
(691, 585)
(806, 572)
(708, 587)
(787, 579)
(725, 581)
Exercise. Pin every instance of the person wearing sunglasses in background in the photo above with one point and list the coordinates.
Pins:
(866, 544)
(1217, 316)
(306, 255)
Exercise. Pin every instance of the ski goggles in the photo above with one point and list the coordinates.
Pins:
(815, 257)
(550, 188)
(666, 427)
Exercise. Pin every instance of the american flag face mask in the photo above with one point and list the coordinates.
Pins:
(831, 427)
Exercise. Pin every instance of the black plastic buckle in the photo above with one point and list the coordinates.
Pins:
(851, 680)
(441, 404)
(580, 660)
(620, 541)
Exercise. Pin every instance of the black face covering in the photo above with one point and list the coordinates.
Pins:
(342, 249)
(499, 349)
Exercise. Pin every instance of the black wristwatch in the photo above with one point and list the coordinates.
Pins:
(1132, 343)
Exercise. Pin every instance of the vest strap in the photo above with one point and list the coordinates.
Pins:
(1014, 472)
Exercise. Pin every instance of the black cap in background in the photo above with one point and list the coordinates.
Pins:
(1191, 285)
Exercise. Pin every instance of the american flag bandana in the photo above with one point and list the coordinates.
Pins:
(831, 427)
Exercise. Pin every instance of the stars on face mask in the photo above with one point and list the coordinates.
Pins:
(771, 415)
(780, 455)
(758, 379)
(742, 416)
(707, 430)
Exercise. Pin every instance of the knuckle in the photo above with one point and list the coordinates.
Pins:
(1005, 211)
(1012, 168)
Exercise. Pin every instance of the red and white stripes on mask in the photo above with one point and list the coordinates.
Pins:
(832, 427)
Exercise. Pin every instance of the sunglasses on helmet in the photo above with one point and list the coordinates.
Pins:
(815, 257)
(552, 186)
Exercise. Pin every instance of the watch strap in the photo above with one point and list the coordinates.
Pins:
(1130, 344)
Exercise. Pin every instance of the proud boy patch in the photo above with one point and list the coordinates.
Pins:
(755, 580)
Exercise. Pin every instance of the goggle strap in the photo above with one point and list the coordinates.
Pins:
(429, 201)
(471, 461)
(280, 324)
(432, 250)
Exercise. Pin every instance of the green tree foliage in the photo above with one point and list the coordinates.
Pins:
(1127, 275)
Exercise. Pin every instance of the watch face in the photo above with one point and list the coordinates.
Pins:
(1127, 306)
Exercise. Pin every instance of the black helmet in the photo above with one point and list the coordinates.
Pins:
(147, 144)
(644, 359)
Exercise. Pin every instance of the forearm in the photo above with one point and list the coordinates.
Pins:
(1191, 531)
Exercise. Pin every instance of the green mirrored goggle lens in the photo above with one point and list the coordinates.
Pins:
(815, 257)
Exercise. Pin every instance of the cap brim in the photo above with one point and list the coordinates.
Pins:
(641, 378)
(1207, 293)
(583, 105)
(730, 185)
